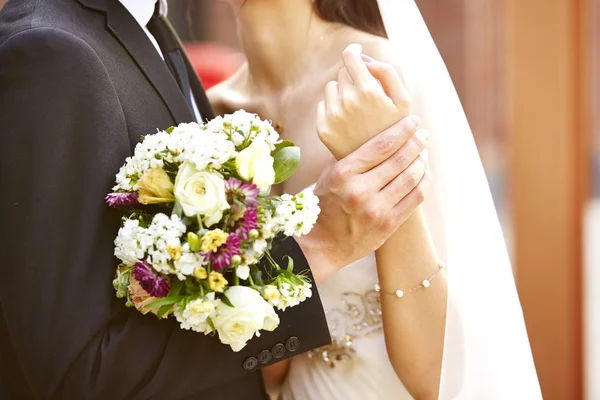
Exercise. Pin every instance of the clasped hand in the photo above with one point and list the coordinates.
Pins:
(369, 192)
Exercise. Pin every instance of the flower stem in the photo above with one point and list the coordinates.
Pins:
(236, 279)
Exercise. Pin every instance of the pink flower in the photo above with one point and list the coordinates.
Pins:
(221, 258)
(248, 222)
(122, 200)
(241, 193)
(155, 286)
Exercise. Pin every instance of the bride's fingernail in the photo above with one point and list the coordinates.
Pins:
(366, 58)
(425, 155)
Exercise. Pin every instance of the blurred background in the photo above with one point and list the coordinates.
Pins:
(527, 72)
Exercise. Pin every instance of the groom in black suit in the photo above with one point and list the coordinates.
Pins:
(80, 82)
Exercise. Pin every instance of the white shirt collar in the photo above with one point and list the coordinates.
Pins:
(142, 10)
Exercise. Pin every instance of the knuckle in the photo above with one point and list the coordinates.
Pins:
(401, 161)
(350, 103)
(411, 181)
(356, 198)
(384, 144)
(388, 225)
(334, 114)
(373, 213)
(338, 174)
(369, 93)
(420, 194)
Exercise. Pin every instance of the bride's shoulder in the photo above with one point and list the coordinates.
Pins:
(226, 96)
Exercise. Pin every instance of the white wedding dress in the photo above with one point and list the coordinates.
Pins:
(356, 366)
(487, 355)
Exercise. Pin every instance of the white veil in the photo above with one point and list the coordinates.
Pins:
(486, 353)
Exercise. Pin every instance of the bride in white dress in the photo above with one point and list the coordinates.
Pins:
(448, 333)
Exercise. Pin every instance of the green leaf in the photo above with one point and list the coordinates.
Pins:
(176, 286)
(163, 310)
(290, 266)
(164, 302)
(286, 160)
(226, 301)
(283, 144)
(170, 129)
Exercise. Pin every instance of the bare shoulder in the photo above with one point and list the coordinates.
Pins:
(230, 94)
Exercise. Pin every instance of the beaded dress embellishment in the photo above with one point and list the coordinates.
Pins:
(359, 317)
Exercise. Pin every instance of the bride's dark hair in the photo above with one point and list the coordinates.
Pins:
(359, 14)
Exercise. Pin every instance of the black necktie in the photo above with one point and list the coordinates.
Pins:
(163, 33)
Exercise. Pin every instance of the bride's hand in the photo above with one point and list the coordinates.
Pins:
(367, 98)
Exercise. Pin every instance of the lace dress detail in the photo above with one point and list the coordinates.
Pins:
(359, 316)
(356, 365)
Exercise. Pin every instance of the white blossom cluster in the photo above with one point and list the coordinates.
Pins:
(245, 124)
(286, 294)
(186, 142)
(159, 244)
(296, 215)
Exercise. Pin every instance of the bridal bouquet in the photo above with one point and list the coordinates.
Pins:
(197, 221)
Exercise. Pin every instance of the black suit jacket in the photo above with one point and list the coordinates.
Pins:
(79, 84)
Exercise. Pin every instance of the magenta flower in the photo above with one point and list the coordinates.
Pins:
(221, 258)
(248, 222)
(155, 286)
(241, 192)
(122, 200)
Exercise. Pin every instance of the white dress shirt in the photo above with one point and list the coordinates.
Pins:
(142, 11)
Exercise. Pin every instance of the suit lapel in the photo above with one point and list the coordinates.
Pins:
(127, 31)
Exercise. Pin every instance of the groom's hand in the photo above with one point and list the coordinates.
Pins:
(366, 196)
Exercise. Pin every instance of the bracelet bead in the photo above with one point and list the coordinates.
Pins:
(399, 293)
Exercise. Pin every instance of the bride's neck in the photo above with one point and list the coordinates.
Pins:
(280, 39)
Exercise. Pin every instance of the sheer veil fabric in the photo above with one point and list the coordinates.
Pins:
(486, 353)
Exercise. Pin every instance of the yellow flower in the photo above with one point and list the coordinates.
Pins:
(155, 187)
(217, 282)
(200, 273)
(213, 239)
(175, 252)
(271, 293)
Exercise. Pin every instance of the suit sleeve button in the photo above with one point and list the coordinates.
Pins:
(264, 357)
(278, 350)
(250, 363)
(292, 344)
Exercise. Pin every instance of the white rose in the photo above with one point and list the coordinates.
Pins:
(201, 192)
(255, 163)
(196, 313)
(250, 313)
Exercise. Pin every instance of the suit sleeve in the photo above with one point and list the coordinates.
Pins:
(63, 137)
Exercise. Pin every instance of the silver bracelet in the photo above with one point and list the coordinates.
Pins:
(424, 284)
